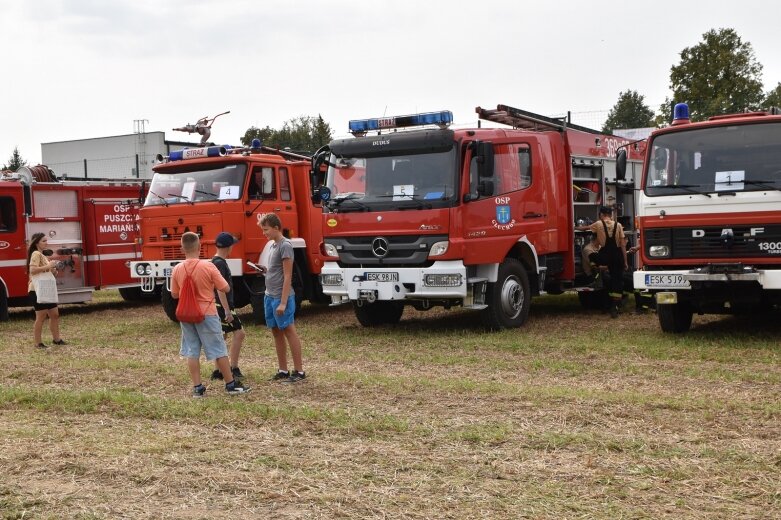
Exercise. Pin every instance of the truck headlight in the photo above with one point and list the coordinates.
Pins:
(331, 279)
(442, 280)
(148, 269)
(141, 269)
(659, 251)
(439, 248)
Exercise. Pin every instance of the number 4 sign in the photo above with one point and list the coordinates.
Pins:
(229, 192)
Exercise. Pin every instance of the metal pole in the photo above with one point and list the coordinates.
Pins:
(85, 168)
(138, 173)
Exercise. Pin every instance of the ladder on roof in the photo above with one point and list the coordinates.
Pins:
(518, 118)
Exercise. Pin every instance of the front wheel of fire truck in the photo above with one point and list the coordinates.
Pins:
(169, 304)
(378, 313)
(675, 317)
(508, 298)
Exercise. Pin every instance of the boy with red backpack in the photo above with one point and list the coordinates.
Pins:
(193, 282)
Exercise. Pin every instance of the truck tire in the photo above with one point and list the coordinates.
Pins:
(674, 317)
(378, 313)
(508, 298)
(3, 304)
(594, 300)
(169, 304)
(257, 288)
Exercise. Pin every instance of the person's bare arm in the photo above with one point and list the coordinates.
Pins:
(287, 272)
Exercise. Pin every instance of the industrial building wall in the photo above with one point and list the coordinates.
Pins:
(116, 157)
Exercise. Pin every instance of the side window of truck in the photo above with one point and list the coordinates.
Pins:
(262, 185)
(284, 184)
(512, 167)
(7, 215)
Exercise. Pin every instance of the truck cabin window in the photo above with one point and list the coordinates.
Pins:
(734, 158)
(187, 185)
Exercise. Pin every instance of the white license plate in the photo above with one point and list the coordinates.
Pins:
(665, 280)
(167, 272)
(382, 277)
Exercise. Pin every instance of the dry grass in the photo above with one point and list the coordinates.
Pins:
(573, 416)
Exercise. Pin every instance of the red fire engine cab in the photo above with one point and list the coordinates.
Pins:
(481, 218)
(91, 226)
(709, 216)
(217, 188)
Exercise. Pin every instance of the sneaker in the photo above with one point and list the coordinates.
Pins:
(59, 342)
(216, 375)
(198, 391)
(43, 346)
(237, 373)
(236, 388)
(280, 375)
(295, 377)
(614, 311)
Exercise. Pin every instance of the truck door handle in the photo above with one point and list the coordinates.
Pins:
(533, 215)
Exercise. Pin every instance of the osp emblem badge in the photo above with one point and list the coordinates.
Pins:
(503, 215)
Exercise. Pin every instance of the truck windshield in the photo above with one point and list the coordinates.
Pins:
(735, 158)
(209, 182)
(404, 181)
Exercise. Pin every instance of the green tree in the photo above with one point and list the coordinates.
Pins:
(303, 134)
(773, 98)
(15, 161)
(630, 111)
(718, 75)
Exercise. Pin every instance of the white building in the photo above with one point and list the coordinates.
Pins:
(115, 157)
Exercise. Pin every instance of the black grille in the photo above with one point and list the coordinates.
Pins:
(724, 242)
(406, 250)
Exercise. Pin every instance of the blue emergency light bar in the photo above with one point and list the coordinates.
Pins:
(360, 126)
(194, 153)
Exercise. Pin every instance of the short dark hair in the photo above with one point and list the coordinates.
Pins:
(271, 220)
(191, 242)
(605, 210)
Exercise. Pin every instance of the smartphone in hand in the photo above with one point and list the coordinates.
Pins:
(258, 268)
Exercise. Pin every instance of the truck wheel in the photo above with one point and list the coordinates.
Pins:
(130, 294)
(3, 304)
(169, 304)
(378, 313)
(674, 317)
(508, 298)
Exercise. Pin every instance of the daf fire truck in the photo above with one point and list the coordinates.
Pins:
(212, 189)
(92, 228)
(481, 218)
(709, 216)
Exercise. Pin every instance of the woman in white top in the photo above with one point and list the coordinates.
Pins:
(37, 263)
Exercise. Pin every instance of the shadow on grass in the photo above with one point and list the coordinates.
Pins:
(77, 309)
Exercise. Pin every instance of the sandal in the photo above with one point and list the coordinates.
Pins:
(59, 342)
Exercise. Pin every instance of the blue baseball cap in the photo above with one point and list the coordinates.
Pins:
(225, 239)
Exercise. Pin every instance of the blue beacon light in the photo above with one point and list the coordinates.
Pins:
(680, 114)
(442, 118)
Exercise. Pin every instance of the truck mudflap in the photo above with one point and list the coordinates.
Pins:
(443, 280)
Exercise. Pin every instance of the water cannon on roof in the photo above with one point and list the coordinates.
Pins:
(202, 127)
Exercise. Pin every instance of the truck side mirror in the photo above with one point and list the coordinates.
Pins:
(621, 164)
(486, 188)
(484, 152)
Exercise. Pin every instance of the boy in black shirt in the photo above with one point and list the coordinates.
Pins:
(224, 244)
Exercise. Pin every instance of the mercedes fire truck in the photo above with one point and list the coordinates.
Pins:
(481, 217)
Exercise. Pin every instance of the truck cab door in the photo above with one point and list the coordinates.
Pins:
(270, 190)
(508, 202)
(13, 248)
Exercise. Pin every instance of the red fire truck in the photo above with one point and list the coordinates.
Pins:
(481, 218)
(92, 229)
(709, 216)
(216, 188)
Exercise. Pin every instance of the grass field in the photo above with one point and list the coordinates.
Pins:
(573, 416)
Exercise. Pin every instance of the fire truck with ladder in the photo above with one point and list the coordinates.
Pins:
(481, 217)
(92, 226)
(211, 189)
(709, 216)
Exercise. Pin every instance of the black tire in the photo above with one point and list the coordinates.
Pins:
(169, 304)
(594, 300)
(508, 298)
(3, 304)
(258, 287)
(674, 317)
(135, 294)
(378, 313)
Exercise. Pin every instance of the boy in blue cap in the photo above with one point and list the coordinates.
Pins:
(224, 244)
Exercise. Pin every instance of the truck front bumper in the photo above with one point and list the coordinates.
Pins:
(443, 280)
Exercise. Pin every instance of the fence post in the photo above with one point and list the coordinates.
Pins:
(85, 168)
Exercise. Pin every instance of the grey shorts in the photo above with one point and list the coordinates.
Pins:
(206, 335)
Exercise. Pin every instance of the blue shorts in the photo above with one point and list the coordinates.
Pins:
(206, 335)
(273, 320)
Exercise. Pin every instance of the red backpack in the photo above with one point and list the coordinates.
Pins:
(188, 310)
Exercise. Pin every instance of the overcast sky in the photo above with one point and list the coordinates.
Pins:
(76, 69)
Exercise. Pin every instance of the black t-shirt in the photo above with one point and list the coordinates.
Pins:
(225, 271)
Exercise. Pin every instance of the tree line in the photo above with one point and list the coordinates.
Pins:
(719, 75)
